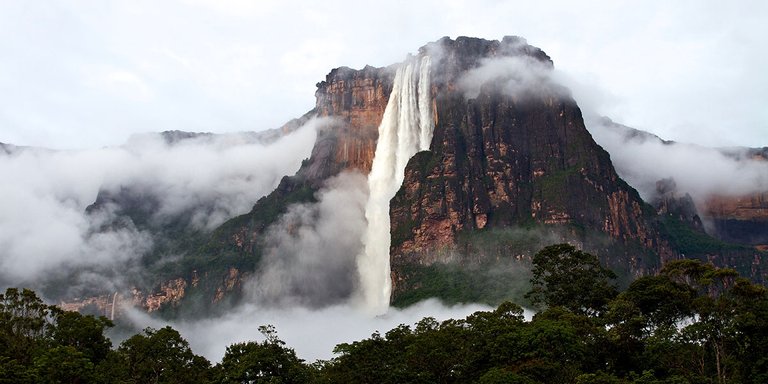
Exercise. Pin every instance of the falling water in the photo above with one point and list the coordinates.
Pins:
(405, 129)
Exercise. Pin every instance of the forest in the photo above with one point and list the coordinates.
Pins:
(689, 323)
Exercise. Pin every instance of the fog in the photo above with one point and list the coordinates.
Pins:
(642, 160)
(45, 231)
(516, 76)
(310, 253)
(311, 332)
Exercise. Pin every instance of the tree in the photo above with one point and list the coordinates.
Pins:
(661, 301)
(24, 322)
(63, 364)
(567, 277)
(162, 356)
(713, 326)
(267, 362)
(377, 359)
(85, 333)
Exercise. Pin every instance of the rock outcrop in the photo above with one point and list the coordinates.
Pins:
(739, 219)
(356, 100)
(169, 293)
(669, 203)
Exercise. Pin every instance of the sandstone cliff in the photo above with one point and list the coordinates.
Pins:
(356, 100)
(739, 219)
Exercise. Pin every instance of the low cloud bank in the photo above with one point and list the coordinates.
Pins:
(515, 76)
(46, 233)
(643, 159)
(312, 333)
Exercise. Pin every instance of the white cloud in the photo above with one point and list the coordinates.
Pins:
(312, 333)
(309, 256)
(686, 70)
(516, 76)
(124, 84)
(44, 226)
(697, 170)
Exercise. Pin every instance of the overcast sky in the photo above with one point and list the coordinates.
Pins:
(85, 74)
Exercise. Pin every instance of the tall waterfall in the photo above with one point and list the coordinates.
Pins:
(405, 129)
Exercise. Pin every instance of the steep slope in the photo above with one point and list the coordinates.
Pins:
(351, 104)
(176, 219)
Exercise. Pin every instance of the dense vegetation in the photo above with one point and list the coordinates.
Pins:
(691, 323)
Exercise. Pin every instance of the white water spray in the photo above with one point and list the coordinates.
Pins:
(405, 129)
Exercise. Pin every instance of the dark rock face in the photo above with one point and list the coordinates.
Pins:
(742, 219)
(682, 208)
(502, 160)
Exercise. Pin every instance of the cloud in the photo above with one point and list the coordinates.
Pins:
(124, 84)
(311, 332)
(45, 232)
(674, 68)
(642, 160)
(516, 76)
(217, 176)
(309, 256)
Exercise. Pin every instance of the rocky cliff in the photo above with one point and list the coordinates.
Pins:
(356, 101)
(506, 158)
(739, 219)
(511, 168)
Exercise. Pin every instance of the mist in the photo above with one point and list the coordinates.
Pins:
(310, 253)
(313, 333)
(644, 159)
(516, 76)
(45, 231)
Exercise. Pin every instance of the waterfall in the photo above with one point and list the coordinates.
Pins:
(405, 129)
(112, 314)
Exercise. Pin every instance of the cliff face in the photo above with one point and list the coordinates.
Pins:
(739, 219)
(356, 100)
(742, 218)
(505, 159)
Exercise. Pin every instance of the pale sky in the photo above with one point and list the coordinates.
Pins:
(87, 74)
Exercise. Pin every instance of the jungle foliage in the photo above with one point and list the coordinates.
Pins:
(690, 323)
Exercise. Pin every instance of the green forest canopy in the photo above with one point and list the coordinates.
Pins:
(691, 323)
